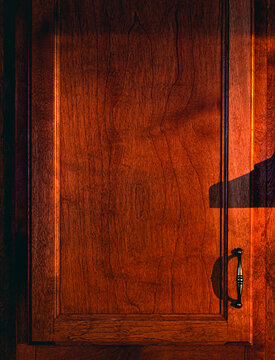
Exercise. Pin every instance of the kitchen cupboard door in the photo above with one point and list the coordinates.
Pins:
(139, 109)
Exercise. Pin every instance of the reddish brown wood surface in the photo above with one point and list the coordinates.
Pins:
(264, 220)
(126, 141)
(261, 327)
(262, 348)
(140, 330)
(139, 97)
(25, 352)
(239, 163)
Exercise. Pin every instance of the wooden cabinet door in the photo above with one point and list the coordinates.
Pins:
(139, 109)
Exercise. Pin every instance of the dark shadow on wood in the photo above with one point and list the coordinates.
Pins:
(216, 278)
(255, 189)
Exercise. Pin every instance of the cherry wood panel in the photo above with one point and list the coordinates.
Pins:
(240, 160)
(258, 351)
(81, 130)
(139, 112)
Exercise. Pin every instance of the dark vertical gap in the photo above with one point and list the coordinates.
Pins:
(226, 152)
(221, 160)
(29, 142)
(8, 310)
(224, 189)
(21, 169)
(270, 112)
(270, 33)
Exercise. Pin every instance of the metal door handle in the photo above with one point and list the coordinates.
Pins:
(238, 252)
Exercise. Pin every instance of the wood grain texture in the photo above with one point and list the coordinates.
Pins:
(264, 227)
(256, 352)
(240, 152)
(25, 352)
(260, 132)
(140, 331)
(138, 149)
(140, 98)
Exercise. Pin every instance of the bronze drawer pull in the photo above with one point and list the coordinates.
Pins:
(238, 252)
